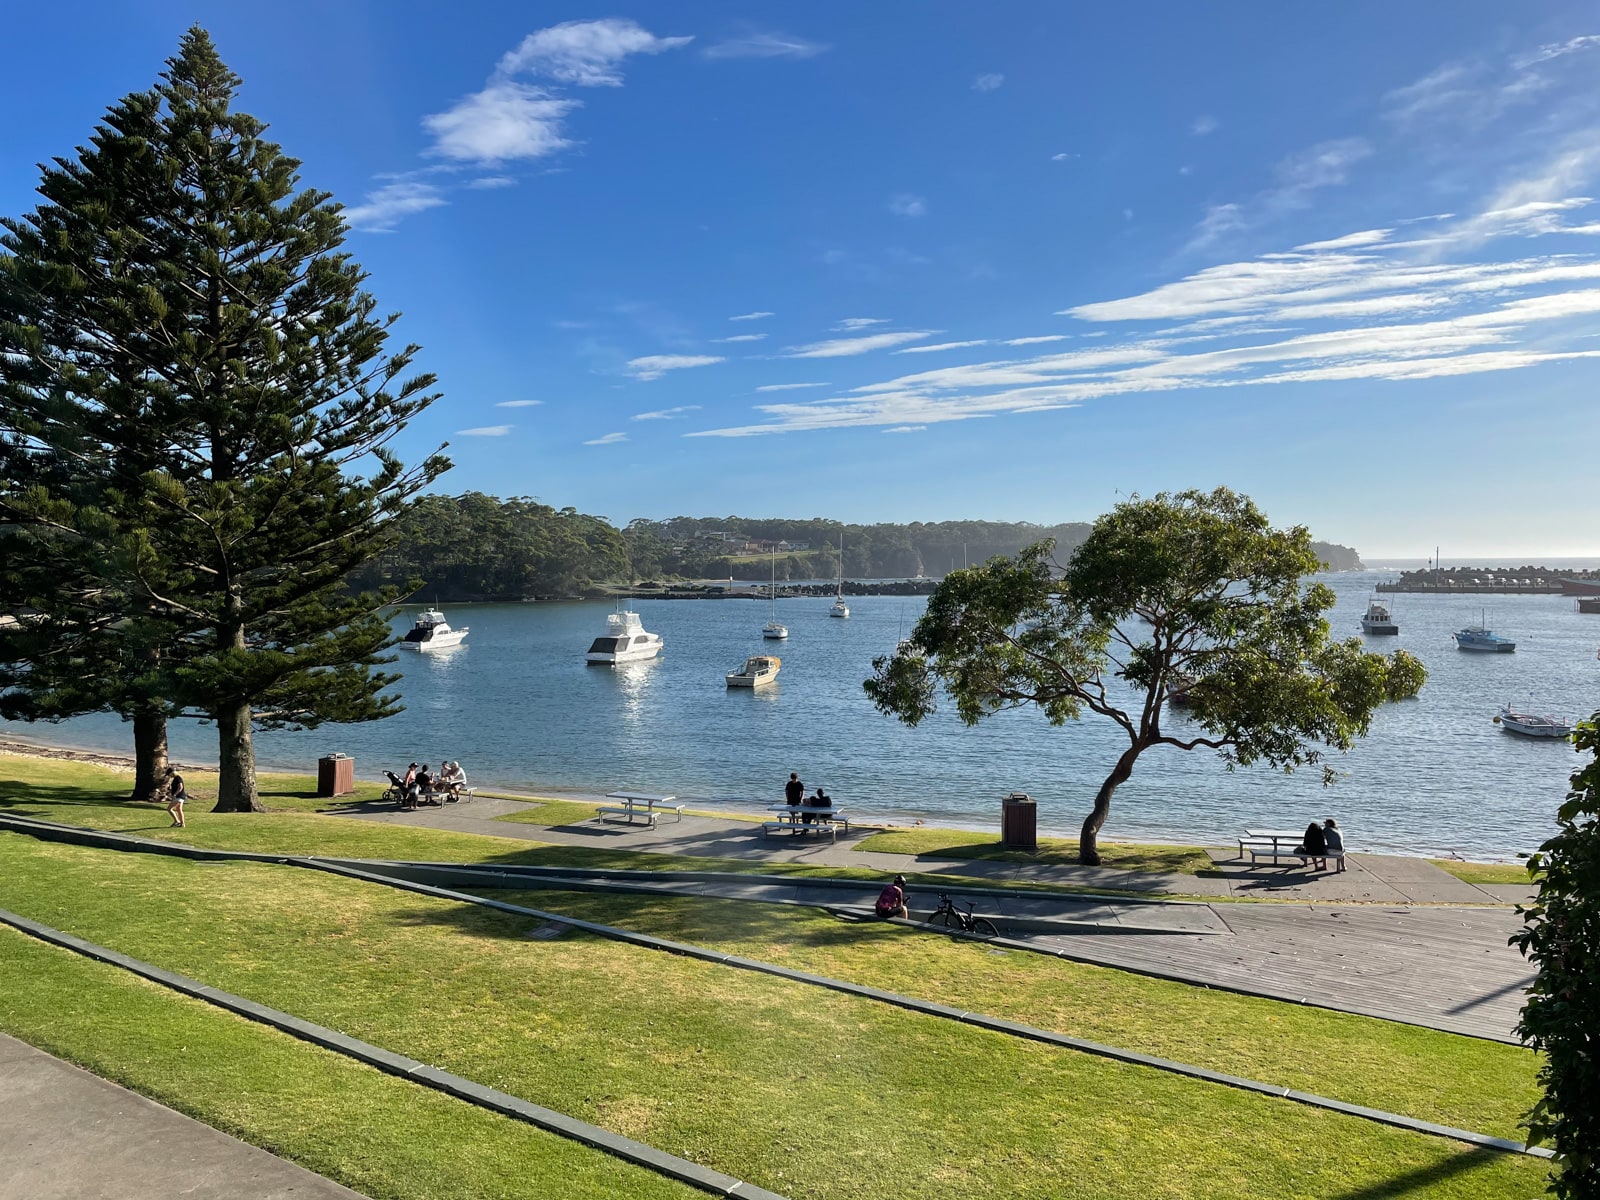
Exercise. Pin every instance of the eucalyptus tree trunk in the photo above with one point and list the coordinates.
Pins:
(149, 753)
(1088, 844)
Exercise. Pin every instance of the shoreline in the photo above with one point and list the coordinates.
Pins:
(21, 747)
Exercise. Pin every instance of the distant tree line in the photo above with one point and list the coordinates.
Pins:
(479, 547)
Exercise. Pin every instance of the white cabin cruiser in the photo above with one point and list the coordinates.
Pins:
(1377, 619)
(759, 669)
(432, 632)
(624, 641)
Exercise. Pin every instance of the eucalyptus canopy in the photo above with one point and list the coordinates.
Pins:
(1191, 595)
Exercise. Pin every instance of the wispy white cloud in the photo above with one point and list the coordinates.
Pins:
(907, 205)
(1588, 41)
(505, 121)
(751, 316)
(654, 366)
(906, 429)
(1032, 341)
(1360, 307)
(1063, 156)
(789, 387)
(860, 322)
(846, 347)
(942, 346)
(768, 44)
(519, 403)
(988, 82)
(666, 414)
(585, 53)
(382, 209)
(742, 337)
(1204, 124)
(1220, 219)
(486, 431)
(490, 182)
(608, 439)
(1323, 165)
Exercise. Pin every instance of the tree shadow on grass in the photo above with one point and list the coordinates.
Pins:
(1420, 1180)
(17, 794)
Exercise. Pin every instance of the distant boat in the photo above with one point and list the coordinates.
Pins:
(1589, 604)
(772, 629)
(1377, 620)
(432, 632)
(1481, 637)
(840, 608)
(758, 670)
(625, 641)
(1532, 724)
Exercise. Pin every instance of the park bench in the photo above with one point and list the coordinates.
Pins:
(1278, 843)
(794, 819)
(643, 805)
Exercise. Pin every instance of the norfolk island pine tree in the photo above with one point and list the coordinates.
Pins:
(216, 308)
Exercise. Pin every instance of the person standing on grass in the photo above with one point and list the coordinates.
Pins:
(176, 795)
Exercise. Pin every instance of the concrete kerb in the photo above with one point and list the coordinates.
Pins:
(909, 1003)
(659, 1161)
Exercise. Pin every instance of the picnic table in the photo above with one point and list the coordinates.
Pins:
(1281, 843)
(793, 817)
(644, 805)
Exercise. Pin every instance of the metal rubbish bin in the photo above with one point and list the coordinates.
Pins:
(336, 775)
(1019, 822)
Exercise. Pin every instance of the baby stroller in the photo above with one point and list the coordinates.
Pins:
(397, 794)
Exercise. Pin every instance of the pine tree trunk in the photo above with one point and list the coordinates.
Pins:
(236, 782)
(149, 753)
(1088, 845)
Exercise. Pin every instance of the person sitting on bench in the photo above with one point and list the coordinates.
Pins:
(1314, 845)
(820, 800)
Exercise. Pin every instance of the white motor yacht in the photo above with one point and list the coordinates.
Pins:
(1377, 619)
(624, 641)
(432, 632)
(759, 669)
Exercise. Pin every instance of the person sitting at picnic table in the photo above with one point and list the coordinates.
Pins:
(451, 780)
(794, 791)
(1333, 840)
(892, 900)
(425, 791)
(820, 800)
(1314, 845)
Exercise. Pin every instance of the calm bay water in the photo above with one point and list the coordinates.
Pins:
(520, 708)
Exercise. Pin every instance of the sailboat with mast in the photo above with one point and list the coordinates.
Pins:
(840, 608)
(772, 629)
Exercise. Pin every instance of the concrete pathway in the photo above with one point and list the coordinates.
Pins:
(68, 1135)
(1368, 878)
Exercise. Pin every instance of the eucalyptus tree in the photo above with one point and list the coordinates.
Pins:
(178, 292)
(1194, 595)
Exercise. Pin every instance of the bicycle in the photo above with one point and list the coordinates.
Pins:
(948, 915)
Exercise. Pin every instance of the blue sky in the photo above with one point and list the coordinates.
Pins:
(927, 261)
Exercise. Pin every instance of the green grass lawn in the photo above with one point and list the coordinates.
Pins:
(812, 1094)
(956, 843)
(1473, 872)
(385, 1137)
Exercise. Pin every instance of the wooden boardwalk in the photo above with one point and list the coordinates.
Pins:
(1446, 968)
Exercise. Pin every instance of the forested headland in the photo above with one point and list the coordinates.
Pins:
(479, 547)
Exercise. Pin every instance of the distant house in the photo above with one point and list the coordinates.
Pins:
(786, 547)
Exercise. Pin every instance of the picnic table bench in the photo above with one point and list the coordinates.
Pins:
(644, 805)
(1282, 843)
(446, 796)
(804, 818)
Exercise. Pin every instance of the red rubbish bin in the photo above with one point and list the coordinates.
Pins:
(336, 775)
(1019, 822)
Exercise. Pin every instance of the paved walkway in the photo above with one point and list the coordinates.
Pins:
(1369, 878)
(68, 1135)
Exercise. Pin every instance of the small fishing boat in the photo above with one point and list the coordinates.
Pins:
(1481, 637)
(759, 669)
(624, 641)
(1377, 619)
(432, 632)
(1537, 725)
